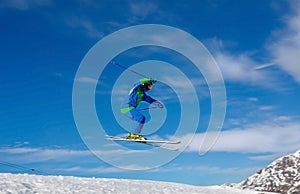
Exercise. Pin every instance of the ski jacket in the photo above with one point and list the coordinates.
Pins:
(136, 95)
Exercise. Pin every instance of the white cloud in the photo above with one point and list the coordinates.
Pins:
(269, 157)
(257, 138)
(18, 150)
(121, 92)
(264, 66)
(231, 171)
(27, 154)
(97, 170)
(212, 169)
(242, 69)
(283, 118)
(86, 24)
(24, 4)
(87, 80)
(142, 9)
(46, 155)
(266, 108)
(180, 84)
(253, 99)
(285, 48)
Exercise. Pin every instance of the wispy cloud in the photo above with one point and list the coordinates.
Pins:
(285, 44)
(29, 154)
(266, 157)
(181, 85)
(264, 66)
(265, 108)
(253, 99)
(91, 29)
(18, 150)
(98, 170)
(283, 47)
(137, 12)
(91, 170)
(141, 9)
(67, 160)
(272, 137)
(87, 80)
(173, 168)
(242, 68)
(24, 4)
(38, 154)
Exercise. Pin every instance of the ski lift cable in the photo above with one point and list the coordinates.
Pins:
(19, 167)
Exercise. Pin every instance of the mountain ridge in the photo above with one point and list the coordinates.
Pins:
(281, 176)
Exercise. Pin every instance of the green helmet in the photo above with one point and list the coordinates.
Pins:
(147, 80)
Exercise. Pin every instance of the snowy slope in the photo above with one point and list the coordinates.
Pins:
(24, 183)
(282, 176)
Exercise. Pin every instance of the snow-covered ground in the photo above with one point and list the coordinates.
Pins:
(282, 175)
(24, 183)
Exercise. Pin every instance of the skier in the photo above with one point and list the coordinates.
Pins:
(129, 108)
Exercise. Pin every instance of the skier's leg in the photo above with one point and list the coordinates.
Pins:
(139, 120)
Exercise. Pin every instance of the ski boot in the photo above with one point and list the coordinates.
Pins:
(136, 137)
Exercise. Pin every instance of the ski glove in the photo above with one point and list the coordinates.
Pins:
(158, 104)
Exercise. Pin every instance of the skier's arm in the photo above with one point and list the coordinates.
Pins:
(150, 100)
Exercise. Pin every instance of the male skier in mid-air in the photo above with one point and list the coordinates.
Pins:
(129, 108)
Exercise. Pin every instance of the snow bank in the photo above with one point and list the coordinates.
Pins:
(282, 176)
(24, 183)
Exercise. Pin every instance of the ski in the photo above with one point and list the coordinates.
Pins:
(117, 138)
(160, 146)
(148, 142)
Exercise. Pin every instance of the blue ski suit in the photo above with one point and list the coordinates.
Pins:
(136, 95)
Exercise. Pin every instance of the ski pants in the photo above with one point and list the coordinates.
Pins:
(138, 118)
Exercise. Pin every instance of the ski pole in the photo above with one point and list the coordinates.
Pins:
(132, 71)
(127, 68)
(148, 108)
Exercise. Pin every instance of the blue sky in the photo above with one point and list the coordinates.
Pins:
(256, 45)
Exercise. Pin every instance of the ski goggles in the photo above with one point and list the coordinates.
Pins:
(149, 86)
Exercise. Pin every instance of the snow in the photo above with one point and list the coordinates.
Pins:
(282, 175)
(25, 183)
